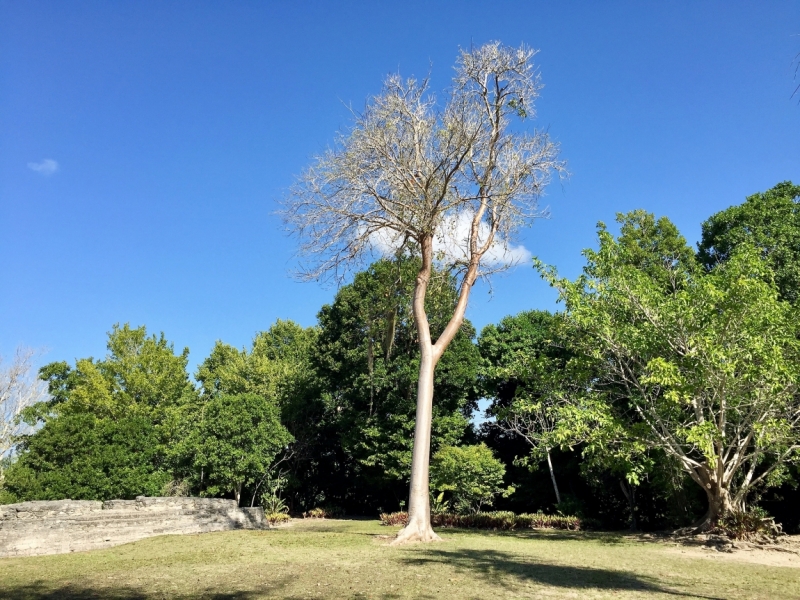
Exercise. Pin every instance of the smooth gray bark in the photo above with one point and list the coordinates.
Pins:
(419, 527)
(553, 476)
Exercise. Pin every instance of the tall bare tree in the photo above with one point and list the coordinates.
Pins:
(19, 388)
(451, 184)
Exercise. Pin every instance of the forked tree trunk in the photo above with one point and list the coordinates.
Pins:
(418, 528)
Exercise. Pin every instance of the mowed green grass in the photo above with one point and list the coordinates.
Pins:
(350, 559)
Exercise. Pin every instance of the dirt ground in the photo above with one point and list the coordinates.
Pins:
(784, 553)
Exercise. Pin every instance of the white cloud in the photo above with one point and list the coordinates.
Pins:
(451, 244)
(47, 167)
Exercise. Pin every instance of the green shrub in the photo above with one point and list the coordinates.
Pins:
(83, 457)
(271, 500)
(499, 520)
(277, 518)
(470, 474)
(439, 505)
(748, 525)
(327, 512)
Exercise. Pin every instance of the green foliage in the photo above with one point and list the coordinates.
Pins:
(278, 368)
(439, 504)
(700, 366)
(140, 376)
(471, 475)
(769, 221)
(754, 524)
(236, 440)
(105, 432)
(276, 365)
(514, 355)
(83, 457)
(525, 361)
(271, 500)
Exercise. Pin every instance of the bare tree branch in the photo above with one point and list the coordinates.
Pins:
(19, 389)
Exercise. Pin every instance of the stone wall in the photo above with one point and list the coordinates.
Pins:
(55, 527)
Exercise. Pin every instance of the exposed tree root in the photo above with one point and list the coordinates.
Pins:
(413, 532)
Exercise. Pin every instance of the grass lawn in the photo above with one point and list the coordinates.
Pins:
(348, 559)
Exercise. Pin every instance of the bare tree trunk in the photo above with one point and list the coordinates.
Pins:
(388, 342)
(553, 476)
(419, 511)
(419, 527)
(629, 491)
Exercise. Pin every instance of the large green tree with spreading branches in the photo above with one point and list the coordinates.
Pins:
(106, 430)
(700, 366)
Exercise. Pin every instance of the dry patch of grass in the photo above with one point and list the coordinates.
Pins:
(349, 559)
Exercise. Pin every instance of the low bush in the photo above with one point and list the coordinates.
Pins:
(326, 512)
(500, 520)
(751, 525)
(395, 518)
(277, 518)
(177, 488)
(273, 504)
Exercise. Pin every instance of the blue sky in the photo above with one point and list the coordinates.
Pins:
(176, 126)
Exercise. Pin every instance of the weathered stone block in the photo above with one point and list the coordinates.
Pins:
(53, 527)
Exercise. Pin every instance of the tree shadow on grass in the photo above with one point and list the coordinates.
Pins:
(39, 591)
(552, 535)
(493, 565)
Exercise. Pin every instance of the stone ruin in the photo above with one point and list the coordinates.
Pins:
(61, 526)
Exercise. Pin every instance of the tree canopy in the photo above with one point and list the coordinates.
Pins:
(470, 475)
(768, 221)
(667, 385)
(236, 440)
(105, 430)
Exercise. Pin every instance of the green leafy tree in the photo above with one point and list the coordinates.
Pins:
(521, 356)
(278, 368)
(700, 366)
(105, 431)
(769, 221)
(470, 475)
(83, 457)
(236, 441)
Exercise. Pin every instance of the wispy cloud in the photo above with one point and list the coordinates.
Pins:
(47, 167)
(451, 244)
